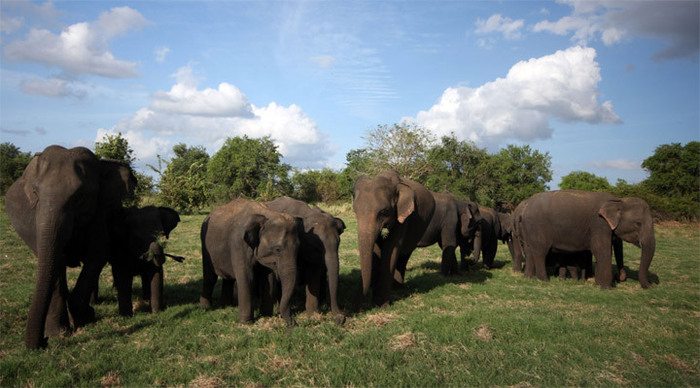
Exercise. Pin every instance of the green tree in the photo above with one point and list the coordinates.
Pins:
(116, 147)
(458, 167)
(674, 170)
(582, 180)
(184, 184)
(12, 165)
(318, 185)
(518, 172)
(250, 168)
(402, 147)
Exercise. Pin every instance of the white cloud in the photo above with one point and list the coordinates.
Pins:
(9, 25)
(618, 164)
(52, 87)
(675, 22)
(81, 48)
(208, 116)
(160, 54)
(563, 86)
(496, 23)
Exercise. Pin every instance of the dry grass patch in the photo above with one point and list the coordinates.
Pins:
(679, 364)
(203, 381)
(403, 341)
(111, 379)
(483, 333)
(613, 378)
(380, 319)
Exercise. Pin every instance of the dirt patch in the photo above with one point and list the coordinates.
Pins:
(203, 381)
(483, 333)
(111, 379)
(677, 363)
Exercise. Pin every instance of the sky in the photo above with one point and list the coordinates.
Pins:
(596, 84)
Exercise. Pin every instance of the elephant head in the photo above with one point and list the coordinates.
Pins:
(58, 207)
(630, 219)
(382, 202)
(469, 218)
(274, 239)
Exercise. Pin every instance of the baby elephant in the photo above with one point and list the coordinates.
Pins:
(240, 236)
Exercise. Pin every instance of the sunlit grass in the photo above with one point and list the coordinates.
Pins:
(480, 328)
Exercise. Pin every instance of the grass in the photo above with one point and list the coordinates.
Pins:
(481, 328)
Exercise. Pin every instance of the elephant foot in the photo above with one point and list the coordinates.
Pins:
(622, 275)
(339, 319)
(83, 316)
(464, 266)
(204, 303)
(57, 331)
(289, 321)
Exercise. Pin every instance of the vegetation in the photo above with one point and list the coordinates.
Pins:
(12, 164)
(582, 180)
(477, 329)
(184, 184)
(116, 147)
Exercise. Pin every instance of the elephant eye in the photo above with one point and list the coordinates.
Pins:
(277, 250)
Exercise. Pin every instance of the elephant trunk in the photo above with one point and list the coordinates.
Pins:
(332, 271)
(367, 238)
(648, 245)
(49, 232)
(288, 279)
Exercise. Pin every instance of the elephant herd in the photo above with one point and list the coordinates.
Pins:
(67, 207)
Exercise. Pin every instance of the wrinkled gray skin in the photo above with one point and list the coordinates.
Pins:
(401, 206)
(61, 207)
(573, 221)
(494, 226)
(452, 224)
(318, 252)
(135, 246)
(240, 236)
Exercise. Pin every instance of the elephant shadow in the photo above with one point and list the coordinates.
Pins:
(634, 274)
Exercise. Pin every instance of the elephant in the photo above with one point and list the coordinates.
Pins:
(452, 224)
(579, 265)
(318, 251)
(242, 237)
(61, 207)
(494, 226)
(136, 250)
(575, 220)
(404, 208)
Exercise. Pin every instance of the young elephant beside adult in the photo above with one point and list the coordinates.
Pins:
(318, 252)
(494, 226)
(136, 250)
(61, 207)
(240, 236)
(574, 221)
(450, 226)
(404, 208)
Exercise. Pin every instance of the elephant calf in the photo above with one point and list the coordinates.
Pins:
(242, 237)
(494, 226)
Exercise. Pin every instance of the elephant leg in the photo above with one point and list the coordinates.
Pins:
(562, 272)
(573, 271)
(208, 280)
(95, 295)
(619, 259)
(79, 298)
(244, 279)
(448, 265)
(535, 262)
(400, 271)
(156, 287)
(57, 320)
(312, 280)
(146, 277)
(477, 245)
(123, 280)
(381, 287)
(227, 292)
(265, 280)
(603, 264)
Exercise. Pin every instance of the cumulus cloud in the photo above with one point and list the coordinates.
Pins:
(496, 23)
(618, 164)
(52, 87)
(208, 116)
(563, 86)
(81, 48)
(674, 22)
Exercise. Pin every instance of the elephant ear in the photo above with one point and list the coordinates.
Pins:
(465, 218)
(611, 211)
(252, 230)
(169, 219)
(31, 173)
(339, 225)
(406, 203)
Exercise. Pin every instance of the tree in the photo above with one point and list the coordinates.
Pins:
(582, 180)
(674, 170)
(401, 147)
(250, 168)
(12, 165)
(184, 184)
(115, 147)
(317, 185)
(458, 167)
(518, 173)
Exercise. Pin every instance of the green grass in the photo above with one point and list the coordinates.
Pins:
(482, 328)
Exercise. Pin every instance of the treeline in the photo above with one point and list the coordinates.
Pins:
(192, 180)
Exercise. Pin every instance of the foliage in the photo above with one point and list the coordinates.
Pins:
(248, 167)
(674, 170)
(582, 180)
(403, 148)
(519, 172)
(184, 184)
(458, 167)
(115, 147)
(475, 329)
(317, 185)
(12, 165)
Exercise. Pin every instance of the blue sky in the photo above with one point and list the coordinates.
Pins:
(597, 84)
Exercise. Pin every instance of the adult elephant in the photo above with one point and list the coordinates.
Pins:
(241, 235)
(137, 249)
(494, 226)
(404, 208)
(574, 221)
(318, 251)
(450, 226)
(61, 207)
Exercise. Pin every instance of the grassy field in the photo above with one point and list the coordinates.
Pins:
(481, 328)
